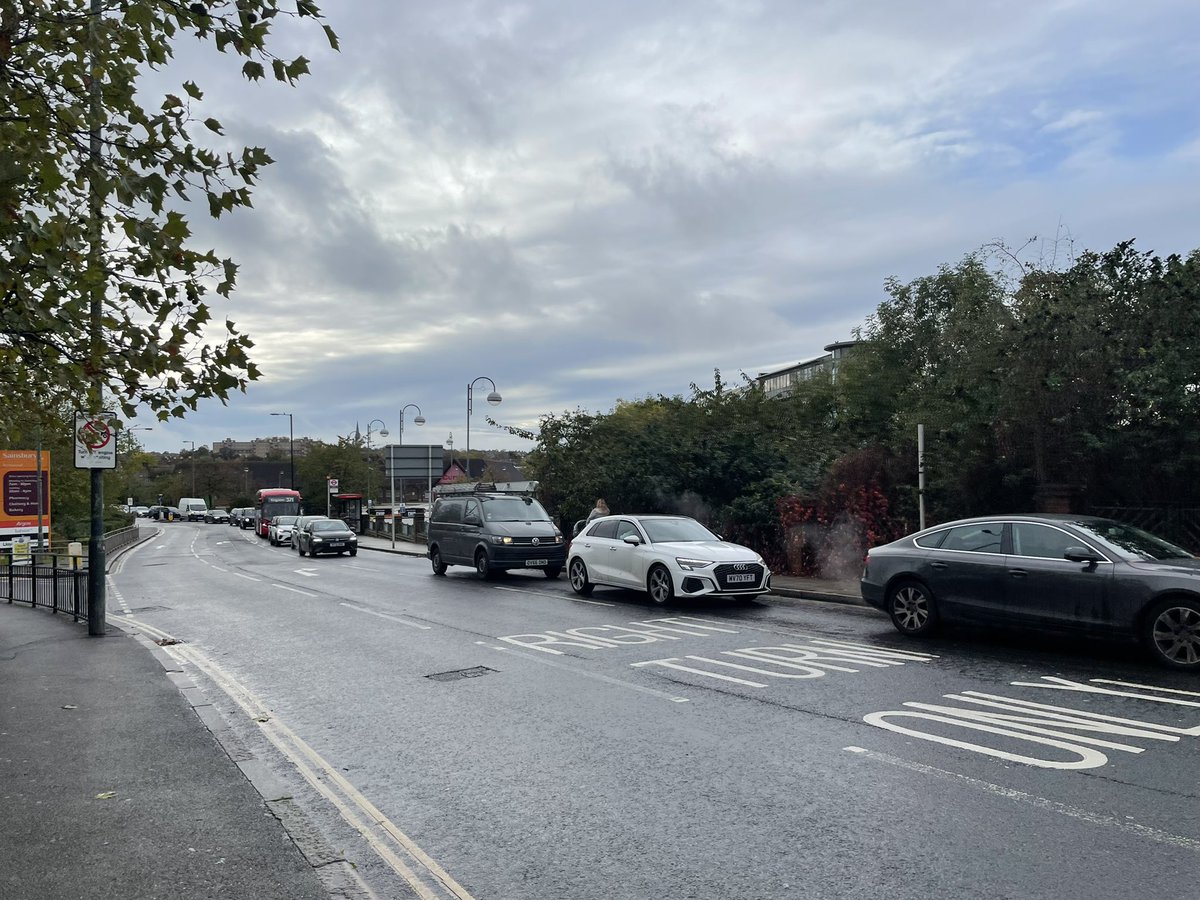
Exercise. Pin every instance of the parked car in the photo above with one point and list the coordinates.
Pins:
(140, 512)
(1054, 573)
(493, 531)
(665, 556)
(300, 522)
(279, 531)
(326, 536)
(216, 516)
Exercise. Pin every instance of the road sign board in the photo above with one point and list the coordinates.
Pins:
(95, 441)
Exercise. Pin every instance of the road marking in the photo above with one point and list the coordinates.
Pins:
(293, 590)
(1154, 834)
(372, 612)
(392, 845)
(594, 676)
(247, 577)
(555, 596)
(307, 573)
(362, 568)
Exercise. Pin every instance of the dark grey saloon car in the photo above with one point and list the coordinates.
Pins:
(1048, 572)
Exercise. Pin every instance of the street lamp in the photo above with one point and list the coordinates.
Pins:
(383, 432)
(291, 450)
(193, 443)
(419, 419)
(245, 479)
(492, 398)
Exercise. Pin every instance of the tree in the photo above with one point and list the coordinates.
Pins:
(99, 285)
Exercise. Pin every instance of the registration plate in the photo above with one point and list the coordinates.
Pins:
(337, 544)
(739, 578)
(537, 562)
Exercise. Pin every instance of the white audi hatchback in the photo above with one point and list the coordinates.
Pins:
(665, 556)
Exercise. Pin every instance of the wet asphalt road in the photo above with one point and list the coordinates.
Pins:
(518, 742)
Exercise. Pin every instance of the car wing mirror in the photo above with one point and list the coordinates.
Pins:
(1082, 554)
(632, 539)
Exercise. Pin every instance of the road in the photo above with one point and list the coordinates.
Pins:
(509, 740)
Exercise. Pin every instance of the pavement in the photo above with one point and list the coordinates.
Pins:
(118, 779)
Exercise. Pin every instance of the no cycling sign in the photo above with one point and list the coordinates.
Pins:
(95, 441)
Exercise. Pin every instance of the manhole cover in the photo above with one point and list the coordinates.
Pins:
(461, 673)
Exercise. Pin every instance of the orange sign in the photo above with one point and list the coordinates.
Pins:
(19, 492)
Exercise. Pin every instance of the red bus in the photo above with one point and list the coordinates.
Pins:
(270, 502)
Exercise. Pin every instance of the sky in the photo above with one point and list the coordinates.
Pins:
(585, 203)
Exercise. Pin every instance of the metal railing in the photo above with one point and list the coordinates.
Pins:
(56, 580)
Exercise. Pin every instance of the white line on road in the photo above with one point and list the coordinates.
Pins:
(372, 612)
(247, 577)
(293, 590)
(361, 568)
(596, 677)
(555, 596)
(1162, 837)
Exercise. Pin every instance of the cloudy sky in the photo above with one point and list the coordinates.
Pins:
(589, 202)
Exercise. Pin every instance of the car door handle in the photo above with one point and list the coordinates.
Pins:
(1018, 573)
(939, 565)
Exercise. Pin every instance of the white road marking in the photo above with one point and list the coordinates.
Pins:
(247, 577)
(427, 879)
(307, 573)
(1145, 831)
(594, 676)
(362, 568)
(293, 590)
(372, 612)
(555, 596)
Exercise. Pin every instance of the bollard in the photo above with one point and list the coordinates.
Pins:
(75, 551)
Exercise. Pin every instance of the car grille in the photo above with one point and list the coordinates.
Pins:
(528, 542)
(724, 570)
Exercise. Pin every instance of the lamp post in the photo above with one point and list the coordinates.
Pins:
(383, 432)
(245, 479)
(419, 419)
(193, 443)
(291, 450)
(493, 398)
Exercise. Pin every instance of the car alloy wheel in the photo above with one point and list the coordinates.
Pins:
(659, 585)
(1173, 633)
(578, 575)
(482, 569)
(912, 609)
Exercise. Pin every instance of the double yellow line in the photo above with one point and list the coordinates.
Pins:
(429, 880)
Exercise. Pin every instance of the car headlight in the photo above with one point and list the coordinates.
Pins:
(691, 565)
(318, 540)
(501, 539)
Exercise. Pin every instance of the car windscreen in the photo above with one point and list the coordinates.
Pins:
(660, 530)
(513, 509)
(327, 525)
(285, 520)
(1129, 542)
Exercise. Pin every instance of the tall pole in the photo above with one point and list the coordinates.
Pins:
(193, 443)
(493, 398)
(921, 475)
(97, 283)
(418, 419)
(291, 450)
(383, 432)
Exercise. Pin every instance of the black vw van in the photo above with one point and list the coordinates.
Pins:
(490, 529)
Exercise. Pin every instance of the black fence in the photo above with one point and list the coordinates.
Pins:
(1178, 524)
(58, 581)
(51, 587)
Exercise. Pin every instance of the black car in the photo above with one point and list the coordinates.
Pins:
(493, 531)
(1049, 572)
(326, 536)
(216, 516)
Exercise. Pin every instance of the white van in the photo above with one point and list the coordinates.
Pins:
(193, 508)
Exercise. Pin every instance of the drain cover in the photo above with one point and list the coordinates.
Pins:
(461, 673)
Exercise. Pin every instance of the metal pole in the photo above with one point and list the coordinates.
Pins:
(921, 475)
(291, 453)
(97, 625)
(41, 499)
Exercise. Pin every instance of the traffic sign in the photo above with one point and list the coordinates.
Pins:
(95, 441)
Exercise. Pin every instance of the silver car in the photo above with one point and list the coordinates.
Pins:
(1050, 573)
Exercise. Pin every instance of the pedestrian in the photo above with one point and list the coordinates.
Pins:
(601, 509)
